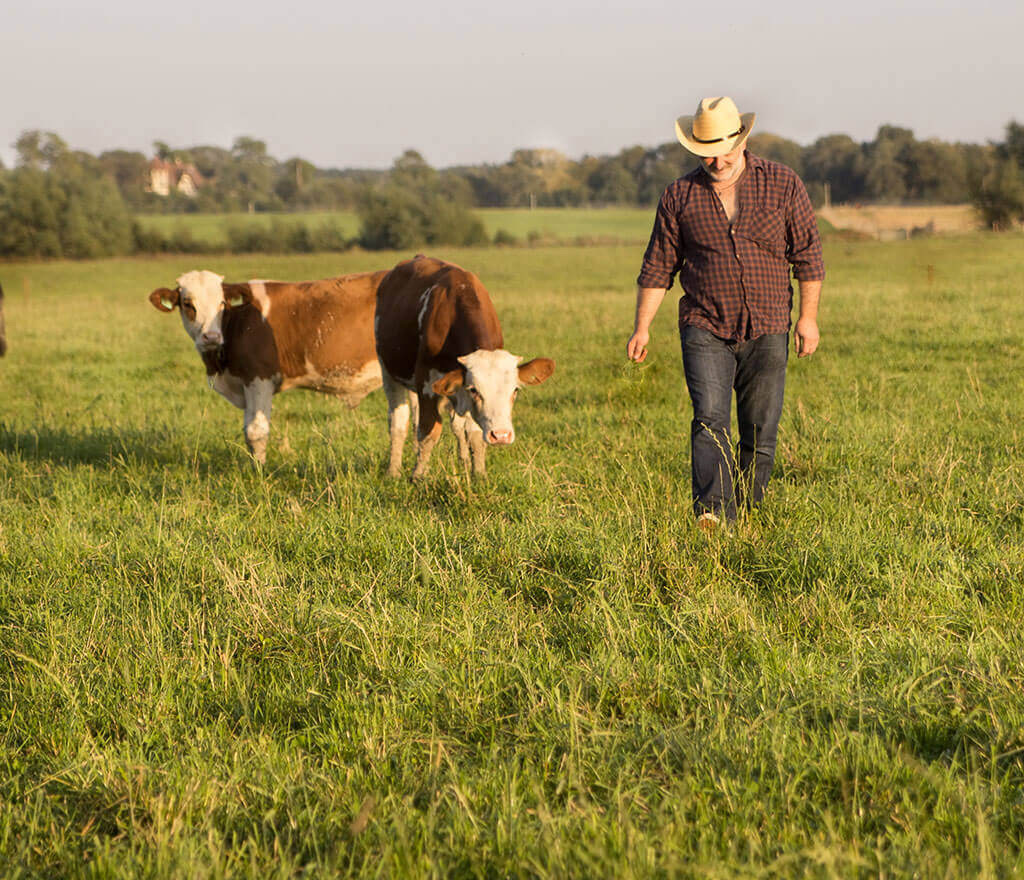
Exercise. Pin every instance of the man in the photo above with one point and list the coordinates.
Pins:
(732, 229)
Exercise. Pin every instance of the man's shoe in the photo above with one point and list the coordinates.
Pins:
(708, 523)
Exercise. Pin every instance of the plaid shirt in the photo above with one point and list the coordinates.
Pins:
(736, 279)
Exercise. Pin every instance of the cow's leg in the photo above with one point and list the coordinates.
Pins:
(428, 433)
(477, 445)
(459, 425)
(230, 388)
(398, 420)
(258, 396)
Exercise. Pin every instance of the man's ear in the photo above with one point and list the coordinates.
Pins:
(164, 299)
(236, 294)
(536, 371)
(449, 383)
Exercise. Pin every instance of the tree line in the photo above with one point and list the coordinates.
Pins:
(60, 202)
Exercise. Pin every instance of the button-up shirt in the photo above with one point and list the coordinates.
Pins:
(735, 277)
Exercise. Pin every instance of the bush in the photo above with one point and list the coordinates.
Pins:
(999, 197)
(329, 237)
(504, 238)
(66, 214)
(181, 241)
(394, 218)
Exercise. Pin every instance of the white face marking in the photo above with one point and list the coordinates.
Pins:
(260, 298)
(491, 383)
(201, 303)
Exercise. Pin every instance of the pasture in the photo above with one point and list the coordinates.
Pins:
(551, 225)
(209, 670)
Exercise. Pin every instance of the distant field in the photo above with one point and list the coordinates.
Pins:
(881, 219)
(577, 225)
(207, 670)
(212, 228)
(626, 225)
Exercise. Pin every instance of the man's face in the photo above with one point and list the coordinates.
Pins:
(724, 168)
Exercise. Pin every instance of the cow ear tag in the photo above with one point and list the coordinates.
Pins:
(164, 299)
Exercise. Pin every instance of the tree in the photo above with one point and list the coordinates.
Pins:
(39, 149)
(294, 179)
(1013, 146)
(885, 173)
(411, 171)
(245, 180)
(72, 211)
(935, 172)
(412, 208)
(1000, 196)
(128, 170)
(778, 149)
(612, 183)
(837, 161)
(29, 224)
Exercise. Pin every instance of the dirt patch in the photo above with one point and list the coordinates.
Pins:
(896, 221)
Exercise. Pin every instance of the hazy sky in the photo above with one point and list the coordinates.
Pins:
(355, 84)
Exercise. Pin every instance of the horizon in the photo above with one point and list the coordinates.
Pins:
(151, 154)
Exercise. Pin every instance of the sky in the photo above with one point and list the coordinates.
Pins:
(354, 85)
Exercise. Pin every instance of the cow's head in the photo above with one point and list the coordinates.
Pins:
(486, 386)
(201, 299)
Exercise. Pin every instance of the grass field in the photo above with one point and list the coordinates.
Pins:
(212, 671)
(618, 225)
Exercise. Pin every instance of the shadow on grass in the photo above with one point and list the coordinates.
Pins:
(110, 448)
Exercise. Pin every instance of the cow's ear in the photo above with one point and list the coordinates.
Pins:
(448, 384)
(164, 299)
(237, 294)
(536, 371)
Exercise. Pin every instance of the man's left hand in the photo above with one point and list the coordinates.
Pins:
(805, 337)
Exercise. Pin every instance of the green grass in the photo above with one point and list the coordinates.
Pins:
(213, 671)
(212, 229)
(552, 225)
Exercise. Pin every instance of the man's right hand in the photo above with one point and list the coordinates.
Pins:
(647, 301)
(636, 348)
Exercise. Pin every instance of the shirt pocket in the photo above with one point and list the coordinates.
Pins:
(767, 229)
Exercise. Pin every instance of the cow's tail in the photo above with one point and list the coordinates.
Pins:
(3, 338)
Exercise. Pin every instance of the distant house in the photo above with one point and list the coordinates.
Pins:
(177, 176)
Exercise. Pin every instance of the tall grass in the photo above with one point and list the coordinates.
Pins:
(214, 671)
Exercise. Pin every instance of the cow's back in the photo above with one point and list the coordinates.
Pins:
(324, 333)
(429, 313)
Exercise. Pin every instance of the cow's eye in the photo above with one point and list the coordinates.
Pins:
(188, 308)
(474, 394)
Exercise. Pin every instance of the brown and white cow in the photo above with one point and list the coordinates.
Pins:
(310, 334)
(438, 335)
(3, 336)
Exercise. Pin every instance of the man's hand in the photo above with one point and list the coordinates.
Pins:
(647, 301)
(806, 336)
(636, 348)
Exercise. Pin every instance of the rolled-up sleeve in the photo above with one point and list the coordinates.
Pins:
(663, 257)
(803, 243)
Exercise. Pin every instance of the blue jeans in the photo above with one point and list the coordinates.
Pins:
(714, 368)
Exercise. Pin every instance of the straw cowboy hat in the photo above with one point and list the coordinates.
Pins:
(717, 129)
